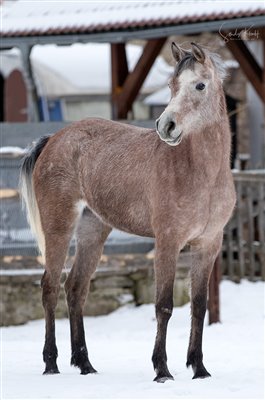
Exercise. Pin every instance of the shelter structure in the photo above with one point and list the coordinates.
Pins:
(28, 23)
(75, 81)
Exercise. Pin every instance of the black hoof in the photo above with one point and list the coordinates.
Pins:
(201, 374)
(163, 379)
(51, 371)
(80, 360)
(88, 370)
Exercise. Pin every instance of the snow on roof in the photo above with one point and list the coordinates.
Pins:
(26, 18)
(85, 68)
(10, 60)
(80, 68)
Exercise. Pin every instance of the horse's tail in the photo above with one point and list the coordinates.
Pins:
(27, 191)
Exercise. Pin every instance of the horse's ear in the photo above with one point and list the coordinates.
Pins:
(198, 52)
(177, 52)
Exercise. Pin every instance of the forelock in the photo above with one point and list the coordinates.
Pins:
(188, 62)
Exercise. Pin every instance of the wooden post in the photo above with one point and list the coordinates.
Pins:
(125, 91)
(253, 71)
(119, 73)
(214, 296)
(33, 109)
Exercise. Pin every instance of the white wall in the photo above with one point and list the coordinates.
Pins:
(77, 110)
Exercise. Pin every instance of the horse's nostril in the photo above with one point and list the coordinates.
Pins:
(170, 127)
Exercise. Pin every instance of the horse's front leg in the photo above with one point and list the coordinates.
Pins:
(165, 267)
(202, 264)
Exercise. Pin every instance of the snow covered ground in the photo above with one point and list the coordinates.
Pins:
(120, 347)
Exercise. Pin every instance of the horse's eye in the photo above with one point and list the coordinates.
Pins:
(200, 86)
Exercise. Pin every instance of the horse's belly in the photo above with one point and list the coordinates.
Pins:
(133, 218)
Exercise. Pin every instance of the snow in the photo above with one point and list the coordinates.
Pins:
(19, 272)
(12, 150)
(94, 16)
(80, 68)
(85, 68)
(120, 347)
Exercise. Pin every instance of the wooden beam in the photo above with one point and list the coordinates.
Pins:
(263, 75)
(214, 297)
(119, 72)
(249, 65)
(135, 79)
(33, 109)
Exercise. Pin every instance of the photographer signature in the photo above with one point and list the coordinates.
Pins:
(242, 34)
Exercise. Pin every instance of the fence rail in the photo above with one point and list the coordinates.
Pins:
(244, 241)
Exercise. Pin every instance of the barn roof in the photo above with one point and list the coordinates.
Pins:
(25, 19)
(80, 68)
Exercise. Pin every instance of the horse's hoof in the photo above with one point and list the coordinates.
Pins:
(201, 374)
(163, 379)
(51, 371)
(88, 370)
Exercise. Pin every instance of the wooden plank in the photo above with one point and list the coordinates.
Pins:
(261, 225)
(255, 175)
(249, 65)
(263, 75)
(214, 294)
(136, 78)
(229, 252)
(250, 232)
(240, 238)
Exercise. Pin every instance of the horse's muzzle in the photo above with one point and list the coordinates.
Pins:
(167, 129)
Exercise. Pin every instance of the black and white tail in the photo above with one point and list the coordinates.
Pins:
(27, 191)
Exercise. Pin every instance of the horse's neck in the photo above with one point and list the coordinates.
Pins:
(210, 150)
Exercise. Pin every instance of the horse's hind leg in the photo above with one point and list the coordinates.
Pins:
(58, 231)
(202, 264)
(91, 235)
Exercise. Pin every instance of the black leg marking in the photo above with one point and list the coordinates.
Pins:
(50, 352)
(195, 355)
(159, 358)
(202, 264)
(79, 351)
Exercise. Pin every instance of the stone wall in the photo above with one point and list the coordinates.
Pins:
(119, 280)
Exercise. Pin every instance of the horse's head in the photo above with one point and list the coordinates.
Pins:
(196, 88)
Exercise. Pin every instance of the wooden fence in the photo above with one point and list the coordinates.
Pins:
(244, 239)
